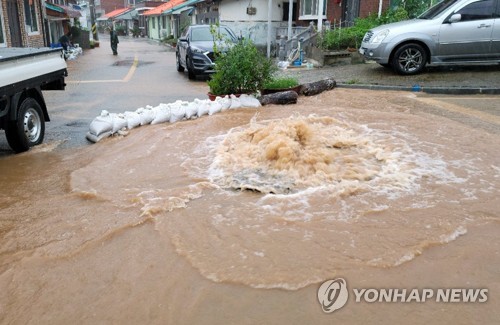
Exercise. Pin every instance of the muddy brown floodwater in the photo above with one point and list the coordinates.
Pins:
(239, 217)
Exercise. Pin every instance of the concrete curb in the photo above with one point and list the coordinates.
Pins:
(429, 90)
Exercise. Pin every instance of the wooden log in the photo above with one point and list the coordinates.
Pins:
(314, 88)
(280, 98)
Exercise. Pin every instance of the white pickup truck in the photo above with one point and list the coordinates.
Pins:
(24, 73)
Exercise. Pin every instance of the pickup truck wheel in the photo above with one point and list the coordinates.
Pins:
(191, 74)
(29, 127)
(179, 67)
(409, 59)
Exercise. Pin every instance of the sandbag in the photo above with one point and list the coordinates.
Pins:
(162, 114)
(96, 138)
(191, 110)
(101, 124)
(147, 114)
(235, 102)
(225, 102)
(203, 107)
(249, 101)
(177, 113)
(214, 107)
(119, 122)
(133, 119)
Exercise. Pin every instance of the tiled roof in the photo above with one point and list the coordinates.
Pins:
(160, 9)
(116, 12)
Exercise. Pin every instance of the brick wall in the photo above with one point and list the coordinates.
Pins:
(368, 7)
(34, 40)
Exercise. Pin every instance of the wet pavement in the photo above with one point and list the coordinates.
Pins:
(152, 227)
(444, 80)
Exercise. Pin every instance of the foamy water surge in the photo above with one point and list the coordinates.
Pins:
(301, 153)
(301, 198)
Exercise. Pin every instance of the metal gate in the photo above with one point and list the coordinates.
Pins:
(14, 25)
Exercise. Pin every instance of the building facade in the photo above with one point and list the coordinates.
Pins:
(22, 24)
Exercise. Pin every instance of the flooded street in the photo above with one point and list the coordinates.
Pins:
(241, 216)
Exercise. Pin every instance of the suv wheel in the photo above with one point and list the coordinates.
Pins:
(191, 74)
(409, 59)
(178, 65)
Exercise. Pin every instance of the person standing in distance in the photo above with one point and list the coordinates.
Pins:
(114, 40)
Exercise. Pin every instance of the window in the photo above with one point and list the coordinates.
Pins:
(2, 36)
(309, 9)
(478, 10)
(30, 16)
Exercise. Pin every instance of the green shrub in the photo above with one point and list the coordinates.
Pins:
(241, 69)
(343, 38)
(281, 83)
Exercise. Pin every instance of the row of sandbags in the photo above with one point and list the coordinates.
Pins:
(108, 124)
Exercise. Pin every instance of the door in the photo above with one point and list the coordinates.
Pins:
(469, 38)
(350, 11)
(14, 25)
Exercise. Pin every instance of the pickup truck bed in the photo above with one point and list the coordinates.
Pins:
(24, 73)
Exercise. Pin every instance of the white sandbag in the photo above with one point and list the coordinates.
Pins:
(101, 124)
(133, 119)
(147, 114)
(119, 122)
(162, 114)
(203, 107)
(96, 138)
(235, 102)
(177, 113)
(184, 107)
(214, 107)
(225, 102)
(192, 110)
(249, 101)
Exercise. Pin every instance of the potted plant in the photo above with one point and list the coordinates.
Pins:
(240, 69)
(277, 84)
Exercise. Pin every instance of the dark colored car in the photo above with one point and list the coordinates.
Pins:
(195, 49)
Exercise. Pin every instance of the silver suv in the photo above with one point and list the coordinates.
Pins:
(451, 32)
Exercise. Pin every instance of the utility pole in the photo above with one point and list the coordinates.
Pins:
(92, 20)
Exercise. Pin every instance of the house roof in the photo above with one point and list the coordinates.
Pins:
(180, 7)
(70, 12)
(116, 12)
(164, 7)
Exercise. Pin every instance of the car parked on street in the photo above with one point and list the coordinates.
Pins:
(195, 48)
(451, 32)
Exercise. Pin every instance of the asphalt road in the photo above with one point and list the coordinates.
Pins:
(143, 73)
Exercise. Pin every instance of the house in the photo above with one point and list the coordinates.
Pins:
(251, 19)
(35, 23)
(21, 23)
(60, 16)
(161, 20)
(110, 18)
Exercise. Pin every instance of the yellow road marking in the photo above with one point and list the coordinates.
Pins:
(490, 118)
(127, 78)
